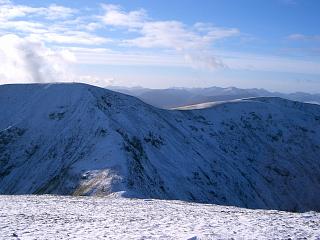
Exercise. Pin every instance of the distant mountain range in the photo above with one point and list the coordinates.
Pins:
(178, 97)
(78, 139)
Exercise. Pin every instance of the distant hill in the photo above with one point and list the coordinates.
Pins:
(178, 97)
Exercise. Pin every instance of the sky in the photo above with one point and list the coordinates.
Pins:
(271, 44)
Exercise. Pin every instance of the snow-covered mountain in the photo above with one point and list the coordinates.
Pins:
(178, 97)
(82, 140)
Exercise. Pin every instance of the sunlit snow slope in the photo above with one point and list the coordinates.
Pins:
(83, 140)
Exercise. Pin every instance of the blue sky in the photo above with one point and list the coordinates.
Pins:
(272, 44)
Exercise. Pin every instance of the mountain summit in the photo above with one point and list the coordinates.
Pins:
(77, 139)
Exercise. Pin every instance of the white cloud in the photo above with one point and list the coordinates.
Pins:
(176, 35)
(116, 17)
(58, 12)
(102, 56)
(23, 26)
(169, 35)
(52, 24)
(96, 80)
(29, 61)
(199, 60)
(23, 60)
(10, 10)
(164, 34)
(92, 26)
(204, 61)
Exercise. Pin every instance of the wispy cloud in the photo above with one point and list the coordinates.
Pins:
(54, 12)
(302, 37)
(169, 34)
(115, 16)
(204, 61)
(232, 60)
(69, 37)
(258, 62)
(103, 56)
(52, 24)
(96, 80)
(9, 10)
(176, 35)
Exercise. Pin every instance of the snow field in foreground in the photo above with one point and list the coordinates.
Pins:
(56, 217)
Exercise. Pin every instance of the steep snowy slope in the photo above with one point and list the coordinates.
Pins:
(83, 140)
